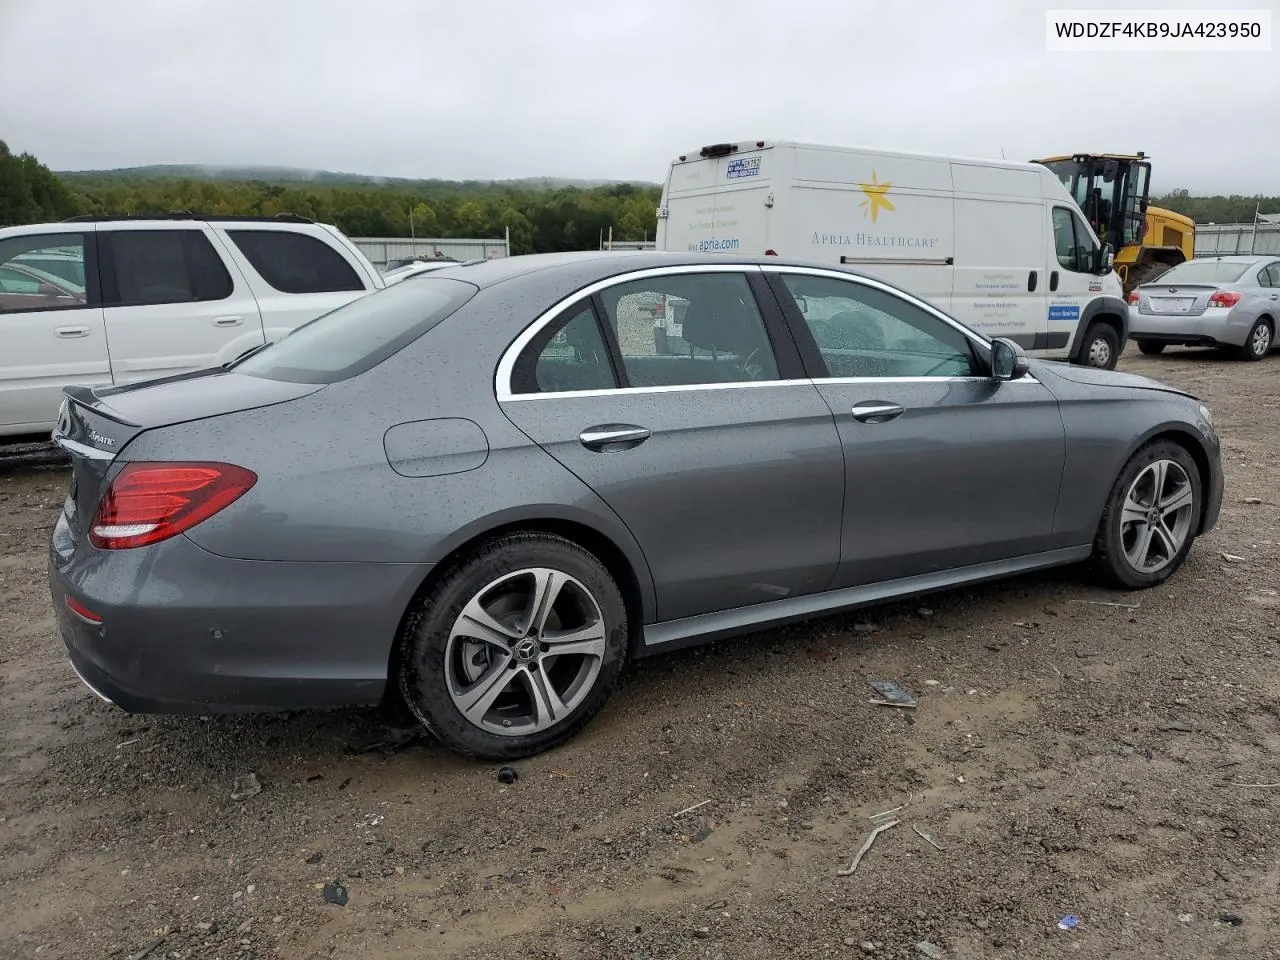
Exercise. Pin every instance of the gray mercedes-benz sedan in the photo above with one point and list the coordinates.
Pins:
(487, 487)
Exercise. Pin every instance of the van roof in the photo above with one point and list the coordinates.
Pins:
(750, 146)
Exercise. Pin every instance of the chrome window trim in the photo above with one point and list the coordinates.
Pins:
(506, 364)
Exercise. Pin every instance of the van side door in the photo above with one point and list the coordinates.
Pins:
(172, 303)
(1072, 282)
(51, 327)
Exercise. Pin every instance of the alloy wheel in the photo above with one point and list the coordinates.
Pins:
(1157, 514)
(525, 652)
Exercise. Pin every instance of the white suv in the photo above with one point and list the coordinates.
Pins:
(96, 301)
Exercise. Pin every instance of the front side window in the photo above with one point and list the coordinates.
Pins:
(567, 354)
(721, 334)
(356, 337)
(36, 273)
(296, 263)
(863, 331)
(1072, 242)
(152, 267)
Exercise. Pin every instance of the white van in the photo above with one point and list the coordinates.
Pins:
(1001, 246)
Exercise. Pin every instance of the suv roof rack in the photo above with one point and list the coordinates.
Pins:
(188, 215)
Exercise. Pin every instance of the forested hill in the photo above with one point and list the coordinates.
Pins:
(543, 214)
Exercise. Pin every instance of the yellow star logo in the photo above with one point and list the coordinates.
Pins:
(877, 196)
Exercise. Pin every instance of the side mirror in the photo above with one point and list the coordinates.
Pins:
(1104, 257)
(1008, 360)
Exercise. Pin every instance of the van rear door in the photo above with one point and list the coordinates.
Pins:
(719, 201)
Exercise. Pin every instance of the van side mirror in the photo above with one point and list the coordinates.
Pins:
(1008, 360)
(1104, 257)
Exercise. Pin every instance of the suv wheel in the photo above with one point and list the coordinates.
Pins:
(516, 648)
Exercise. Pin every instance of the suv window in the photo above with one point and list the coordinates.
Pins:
(567, 354)
(295, 262)
(722, 336)
(150, 267)
(862, 331)
(1072, 241)
(26, 280)
(358, 336)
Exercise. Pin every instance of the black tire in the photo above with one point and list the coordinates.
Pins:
(1144, 272)
(1151, 347)
(1259, 342)
(1109, 545)
(425, 643)
(1100, 340)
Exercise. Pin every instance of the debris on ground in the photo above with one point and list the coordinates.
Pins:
(335, 893)
(315, 858)
(1178, 726)
(508, 775)
(931, 950)
(147, 950)
(245, 787)
(866, 845)
(390, 739)
(1111, 603)
(1233, 558)
(1069, 922)
(892, 695)
(928, 839)
(696, 806)
(1231, 919)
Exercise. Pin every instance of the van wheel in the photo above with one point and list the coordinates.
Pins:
(1101, 347)
(516, 648)
(1150, 347)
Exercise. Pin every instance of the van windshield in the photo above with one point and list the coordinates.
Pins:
(1205, 271)
(358, 336)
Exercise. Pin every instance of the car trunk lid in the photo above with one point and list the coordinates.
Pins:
(1176, 300)
(95, 425)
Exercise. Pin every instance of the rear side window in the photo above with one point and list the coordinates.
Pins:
(356, 337)
(295, 262)
(150, 267)
(1205, 271)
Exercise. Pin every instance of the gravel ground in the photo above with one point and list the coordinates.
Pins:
(1067, 758)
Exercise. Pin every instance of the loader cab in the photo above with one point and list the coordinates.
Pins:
(1112, 192)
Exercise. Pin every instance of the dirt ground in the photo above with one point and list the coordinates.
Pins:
(1067, 758)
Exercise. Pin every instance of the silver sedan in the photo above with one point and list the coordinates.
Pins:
(1210, 302)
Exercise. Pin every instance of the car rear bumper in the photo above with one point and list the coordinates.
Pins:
(184, 631)
(1214, 327)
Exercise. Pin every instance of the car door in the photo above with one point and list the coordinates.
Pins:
(51, 326)
(717, 454)
(171, 303)
(944, 466)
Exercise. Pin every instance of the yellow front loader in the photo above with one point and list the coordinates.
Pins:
(1112, 192)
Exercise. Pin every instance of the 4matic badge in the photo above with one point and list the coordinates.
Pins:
(99, 438)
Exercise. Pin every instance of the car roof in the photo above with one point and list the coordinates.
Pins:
(600, 264)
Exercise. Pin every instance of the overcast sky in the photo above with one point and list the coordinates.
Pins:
(610, 88)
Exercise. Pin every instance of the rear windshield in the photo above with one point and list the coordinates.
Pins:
(354, 338)
(1205, 271)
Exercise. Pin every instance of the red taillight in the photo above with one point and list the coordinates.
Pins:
(150, 502)
(1133, 298)
(83, 612)
(1224, 298)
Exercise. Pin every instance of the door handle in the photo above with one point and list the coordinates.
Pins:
(227, 321)
(618, 435)
(877, 412)
(1053, 281)
(70, 333)
(1032, 281)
